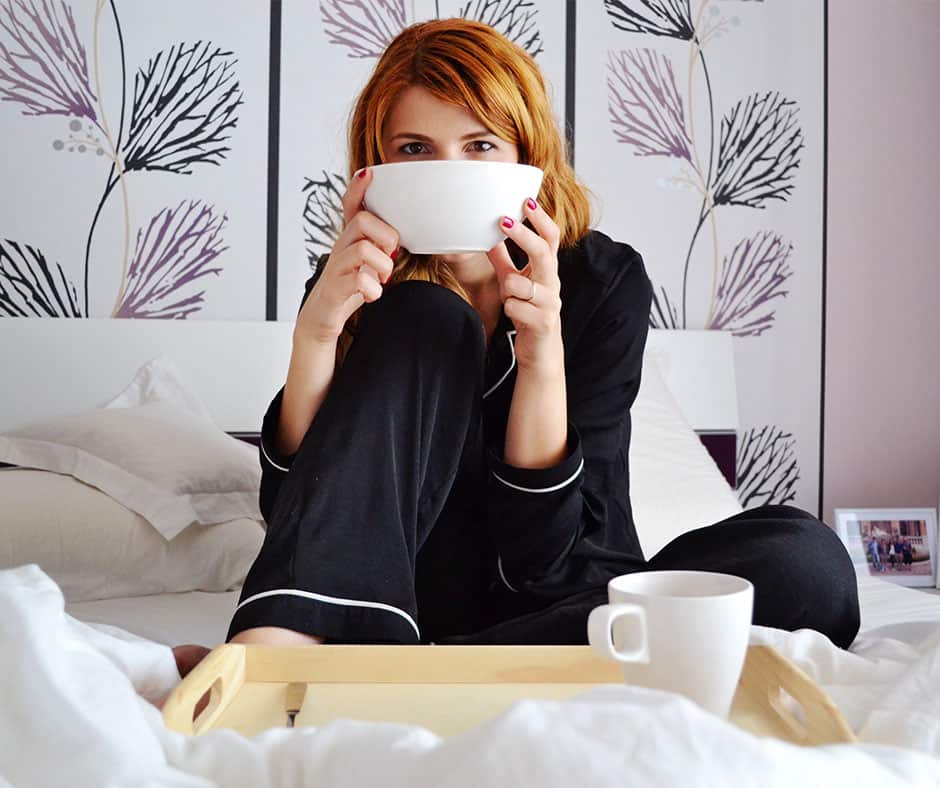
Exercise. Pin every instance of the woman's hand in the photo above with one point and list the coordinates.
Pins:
(532, 297)
(537, 426)
(360, 263)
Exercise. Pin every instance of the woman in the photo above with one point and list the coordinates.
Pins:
(447, 461)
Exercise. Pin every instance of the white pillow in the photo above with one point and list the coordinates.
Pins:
(675, 485)
(157, 455)
(94, 548)
(160, 380)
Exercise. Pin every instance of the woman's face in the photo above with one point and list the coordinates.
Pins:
(421, 127)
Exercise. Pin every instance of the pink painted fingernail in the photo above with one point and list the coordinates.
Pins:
(394, 254)
(361, 173)
(532, 204)
(507, 222)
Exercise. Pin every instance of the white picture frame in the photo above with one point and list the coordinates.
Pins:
(891, 543)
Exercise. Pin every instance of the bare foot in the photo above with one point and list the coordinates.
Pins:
(187, 657)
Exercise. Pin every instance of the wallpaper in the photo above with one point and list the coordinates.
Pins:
(699, 128)
(138, 132)
(343, 39)
(186, 160)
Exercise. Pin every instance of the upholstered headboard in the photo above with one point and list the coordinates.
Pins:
(57, 366)
(698, 367)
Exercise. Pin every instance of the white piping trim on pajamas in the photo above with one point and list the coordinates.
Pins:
(512, 364)
(499, 566)
(333, 601)
(565, 483)
(268, 458)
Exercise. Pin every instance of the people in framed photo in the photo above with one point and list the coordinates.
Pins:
(898, 545)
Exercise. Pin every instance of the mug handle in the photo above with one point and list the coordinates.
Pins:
(601, 637)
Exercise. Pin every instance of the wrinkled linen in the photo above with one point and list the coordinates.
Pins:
(75, 712)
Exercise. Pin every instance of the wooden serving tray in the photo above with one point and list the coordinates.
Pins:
(448, 689)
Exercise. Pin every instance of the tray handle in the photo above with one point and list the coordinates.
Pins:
(222, 674)
(767, 675)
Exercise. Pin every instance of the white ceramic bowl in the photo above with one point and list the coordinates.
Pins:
(448, 207)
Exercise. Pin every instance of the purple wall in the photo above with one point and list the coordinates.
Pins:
(882, 409)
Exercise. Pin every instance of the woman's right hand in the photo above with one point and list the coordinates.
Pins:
(355, 271)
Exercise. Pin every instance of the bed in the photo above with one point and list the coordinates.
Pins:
(130, 518)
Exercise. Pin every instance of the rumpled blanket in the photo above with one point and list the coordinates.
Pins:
(74, 711)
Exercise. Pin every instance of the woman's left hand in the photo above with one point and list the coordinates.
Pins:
(532, 297)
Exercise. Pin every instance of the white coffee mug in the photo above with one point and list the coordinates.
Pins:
(680, 631)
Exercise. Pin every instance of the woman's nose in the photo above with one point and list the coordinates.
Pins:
(456, 153)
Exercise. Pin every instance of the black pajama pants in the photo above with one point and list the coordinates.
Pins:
(375, 534)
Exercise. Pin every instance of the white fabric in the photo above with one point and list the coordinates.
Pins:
(160, 381)
(203, 618)
(887, 605)
(68, 692)
(159, 457)
(198, 617)
(675, 485)
(95, 548)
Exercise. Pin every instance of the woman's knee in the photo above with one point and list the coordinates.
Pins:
(423, 307)
(802, 574)
(774, 511)
(820, 571)
(418, 324)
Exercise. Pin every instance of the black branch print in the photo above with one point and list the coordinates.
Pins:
(183, 113)
(644, 104)
(176, 250)
(668, 18)
(515, 19)
(184, 109)
(323, 215)
(767, 467)
(43, 66)
(31, 287)
(759, 151)
(751, 277)
(663, 313)
(364, 27)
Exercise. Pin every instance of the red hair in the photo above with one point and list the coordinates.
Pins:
(471, 65)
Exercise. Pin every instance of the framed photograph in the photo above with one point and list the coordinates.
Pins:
(897, 545)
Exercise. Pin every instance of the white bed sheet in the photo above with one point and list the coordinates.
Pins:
(84, 678)
(198, 617)
(203, 618)
(887, 606)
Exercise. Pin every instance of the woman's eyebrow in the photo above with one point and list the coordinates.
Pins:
(423, 138)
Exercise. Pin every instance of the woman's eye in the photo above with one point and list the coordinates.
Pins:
(482, 146)
(412, 148)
